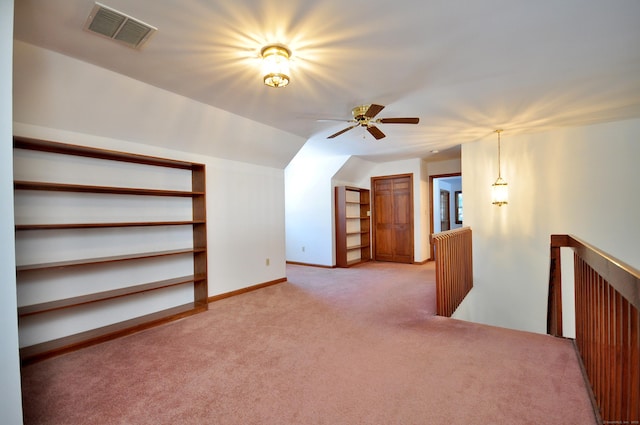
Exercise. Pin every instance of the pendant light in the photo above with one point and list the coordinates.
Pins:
(499, 190)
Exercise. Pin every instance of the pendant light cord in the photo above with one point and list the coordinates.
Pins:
(499, 167)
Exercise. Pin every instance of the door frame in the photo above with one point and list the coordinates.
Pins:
(431, 216)
(447, 208)
(373, 209)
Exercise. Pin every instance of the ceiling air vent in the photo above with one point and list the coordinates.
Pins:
(117, 26)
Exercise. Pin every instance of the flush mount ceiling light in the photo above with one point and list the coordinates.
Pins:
(499, 190)
(275, 65)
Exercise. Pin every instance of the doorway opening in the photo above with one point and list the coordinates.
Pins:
(446, 203)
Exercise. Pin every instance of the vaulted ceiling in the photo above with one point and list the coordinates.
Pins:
(464, 68)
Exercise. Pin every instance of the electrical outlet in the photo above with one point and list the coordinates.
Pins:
(267, 262)
(302, 249)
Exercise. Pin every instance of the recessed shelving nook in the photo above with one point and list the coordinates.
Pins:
(107, 243)
(353, 225)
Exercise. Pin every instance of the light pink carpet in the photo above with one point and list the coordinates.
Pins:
(331, 346)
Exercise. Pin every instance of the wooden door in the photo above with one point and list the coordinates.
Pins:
(445, 212)
(393, 218)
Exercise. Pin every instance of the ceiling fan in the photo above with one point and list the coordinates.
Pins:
(363, 116)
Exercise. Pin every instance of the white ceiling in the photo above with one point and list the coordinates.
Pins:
(464, 68)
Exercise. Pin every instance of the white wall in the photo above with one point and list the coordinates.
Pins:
(582, 181)
(451, 166)
(435, 204)
(10, 392)
(355, 172)
(309, 206)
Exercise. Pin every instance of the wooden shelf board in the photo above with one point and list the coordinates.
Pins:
(102, 260)
(64, 187)
(354, 247)
(104, 225)
(103, 296)
(69, 343)
(360, 232)
(68, 149)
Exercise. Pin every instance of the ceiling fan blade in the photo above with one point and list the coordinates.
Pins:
(342, 131)
(373, 110)
(333, 120)
(398, 120)
(375, 132)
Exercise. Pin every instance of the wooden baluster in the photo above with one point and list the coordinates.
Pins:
(620, 356)
(609, 350)
(600, 341)
(634, 362)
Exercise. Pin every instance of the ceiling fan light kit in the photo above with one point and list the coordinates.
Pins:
(363, 116)
(275, 65)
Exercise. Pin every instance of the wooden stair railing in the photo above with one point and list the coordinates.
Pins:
(607, 300)
(454, 268)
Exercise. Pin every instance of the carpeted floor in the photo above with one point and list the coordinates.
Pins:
(330, 346)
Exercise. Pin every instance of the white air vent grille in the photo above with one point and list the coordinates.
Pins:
(116, 25)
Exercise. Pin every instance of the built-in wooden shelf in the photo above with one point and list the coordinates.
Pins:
(199, 278)
(352, 211)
